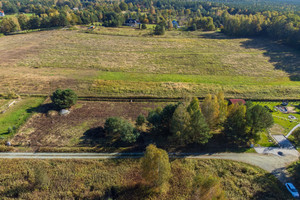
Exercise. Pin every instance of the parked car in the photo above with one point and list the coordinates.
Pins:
(291, 188)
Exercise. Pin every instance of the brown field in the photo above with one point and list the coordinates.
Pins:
(121, 179)
(83, 127)
(128, 62)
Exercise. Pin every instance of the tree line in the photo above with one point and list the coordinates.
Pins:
(192, 122)
(233, 19)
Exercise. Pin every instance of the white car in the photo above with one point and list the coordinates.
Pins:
(291, 188)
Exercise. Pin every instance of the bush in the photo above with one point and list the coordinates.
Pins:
(159, 29)
(144, 26)
(140, 120)
(64, 98)
(121, 127)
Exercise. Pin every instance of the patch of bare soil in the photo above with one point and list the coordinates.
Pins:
(82, 127)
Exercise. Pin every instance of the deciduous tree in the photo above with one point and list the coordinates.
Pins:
(156, 168)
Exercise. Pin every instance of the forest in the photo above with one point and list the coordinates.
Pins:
(273, 19)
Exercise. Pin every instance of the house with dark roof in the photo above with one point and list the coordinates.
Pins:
(131, 22)
(235, 101)
(2, 13)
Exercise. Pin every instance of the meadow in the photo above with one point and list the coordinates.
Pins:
(121, 179)
(130, 62)
(16, 115)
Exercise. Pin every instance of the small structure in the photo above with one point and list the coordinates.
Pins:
(131, 22)
(175, 24)
(235, 101)
(75, 9)
(64, 112)
(2, 13)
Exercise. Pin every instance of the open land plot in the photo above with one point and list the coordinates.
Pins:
(17, 114)
(129, 62)
(100, 179)
(83, 127)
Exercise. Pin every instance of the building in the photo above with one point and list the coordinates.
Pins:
(2, 13)
(131, 22)
(175, 24)
(234, 101)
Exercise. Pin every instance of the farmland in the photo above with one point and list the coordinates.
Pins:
(17, 114)
(83, 127)
(93, 179)
(128, 62)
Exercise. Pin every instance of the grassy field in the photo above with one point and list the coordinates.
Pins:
(17, 114)
(121, 179)
(130, 62)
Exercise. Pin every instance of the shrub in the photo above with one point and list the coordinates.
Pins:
(64, 98)
(140, 120)
(122, 128)
(159, 29)
(144, 26)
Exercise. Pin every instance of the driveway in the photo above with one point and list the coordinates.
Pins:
(283, 141)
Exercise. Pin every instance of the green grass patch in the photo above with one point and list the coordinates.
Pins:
(282, 118)
(224, 80)
(17, 114)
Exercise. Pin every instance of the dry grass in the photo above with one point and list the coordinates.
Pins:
(83, 127)
(192, 63)
(121, 179)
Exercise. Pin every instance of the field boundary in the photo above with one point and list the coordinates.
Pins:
(152, 98)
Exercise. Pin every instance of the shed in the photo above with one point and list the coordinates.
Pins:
(234, 101)
(2, 13)
(175, 24)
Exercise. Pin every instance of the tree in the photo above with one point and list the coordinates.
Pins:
(140, 120)
(188, 124)
(223, 104)
(235, 125)
(144, 26)
(296, 135)
(160, 119)
(156, 168)
(115, 126)
(9, 25)
(258, 118)
(23, 21)
(159, 29)
(210, 110)
(64, 98)
(180, 123)
(123, 6)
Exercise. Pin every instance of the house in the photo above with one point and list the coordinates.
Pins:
(234, 101)
(2, 13)
(175, 24)
(131, 22)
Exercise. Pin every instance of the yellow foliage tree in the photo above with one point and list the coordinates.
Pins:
(210, 110)
(156, 168)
